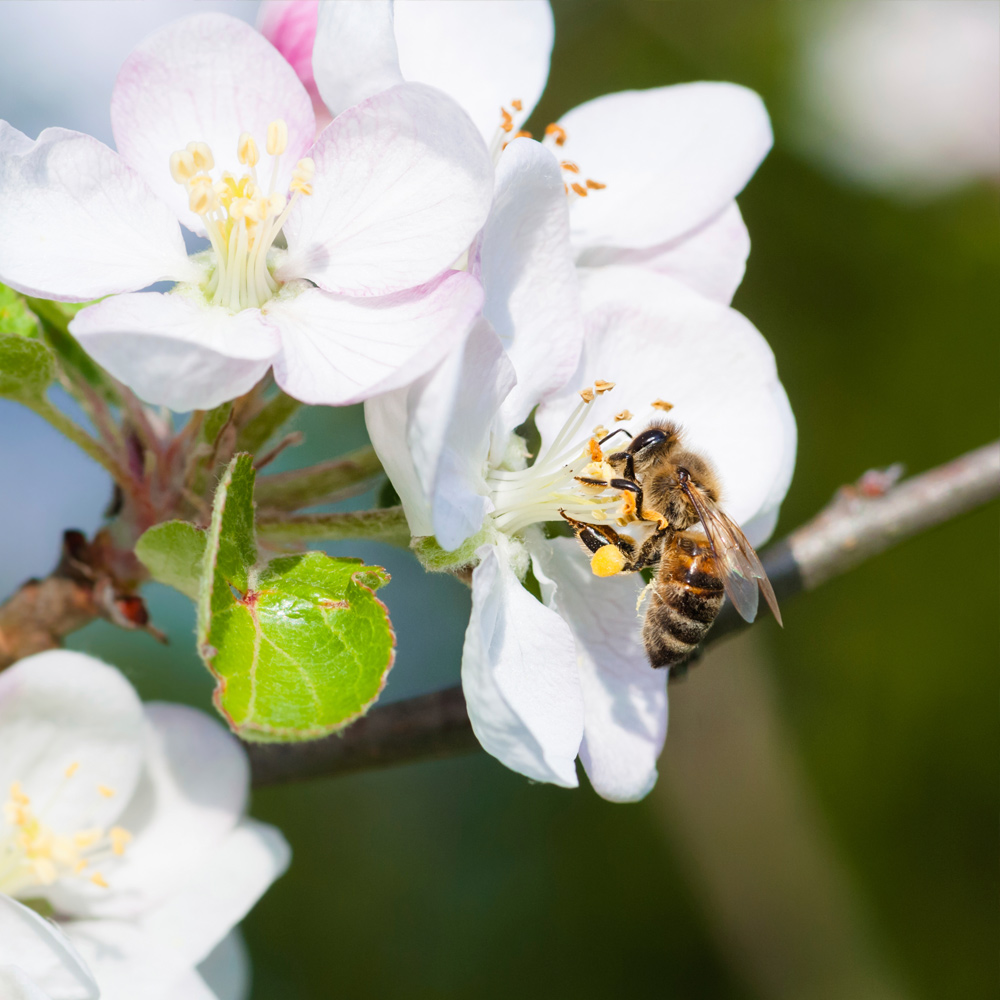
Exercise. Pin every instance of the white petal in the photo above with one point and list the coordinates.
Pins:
(290, 26)
(449, 433)
(532, 298)
(710, 259)
(58, 709)
(672, 158)
(175, 351)
(519, 676)
(403, 183)
(79, 222)
(386, 418)
(624, 698)
(219, 892)
(206, 78)
(131, 964)
(227, 970)
(37, 959)
(337, 350)
(354, 55)
(656, 339)
(180, 812)
(485, 54)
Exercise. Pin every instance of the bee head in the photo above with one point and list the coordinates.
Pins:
(648, 448)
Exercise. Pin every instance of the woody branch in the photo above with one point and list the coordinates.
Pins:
(861, 521)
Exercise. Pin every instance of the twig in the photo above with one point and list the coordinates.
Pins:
(851, 529)
(385, 525)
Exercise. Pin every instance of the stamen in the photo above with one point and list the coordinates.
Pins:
(246, 150)
(557, 133)
(277, 137)
(587, 395)
(201, 153)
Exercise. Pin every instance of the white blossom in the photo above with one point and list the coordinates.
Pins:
(651, 175)
(329, 259)
(126, 823)
(546, 681)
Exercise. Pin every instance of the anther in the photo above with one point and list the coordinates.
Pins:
(98, 879)
(72, 769)
(201, 153)
(120, 838)
(182, 166)
(506, 120)
(523, 134)
(603, 386)
(587, 395)
(246, 150)
(595, 185)
(570, 166)
(662, 404)
(108, 793)
(277, 137)
(517, 105)
(557, 132)
(624, 415)
(579, 189)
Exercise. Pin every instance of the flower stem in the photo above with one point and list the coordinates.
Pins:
(386, 525)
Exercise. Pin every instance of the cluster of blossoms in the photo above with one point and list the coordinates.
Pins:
(410, 246)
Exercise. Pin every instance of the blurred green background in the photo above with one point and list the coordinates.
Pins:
(826, 823)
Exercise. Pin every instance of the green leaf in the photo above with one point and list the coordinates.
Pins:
(173, 553)
(15, 316)
(215, 420)
(300, 645)
(26, 367)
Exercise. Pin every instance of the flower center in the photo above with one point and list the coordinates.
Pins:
(574, 183)
(33, 855)
(242, 219)
(542, 491)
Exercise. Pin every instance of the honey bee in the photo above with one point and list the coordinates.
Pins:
(663, 482)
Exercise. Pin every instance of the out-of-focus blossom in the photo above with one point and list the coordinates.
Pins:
(651, 176)
(903, 96)
(372, 215)
(127, 826)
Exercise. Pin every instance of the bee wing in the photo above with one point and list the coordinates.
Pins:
(741, 568)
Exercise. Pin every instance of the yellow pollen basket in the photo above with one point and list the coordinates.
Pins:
(608, 560)
(33, 855)
(241, 217)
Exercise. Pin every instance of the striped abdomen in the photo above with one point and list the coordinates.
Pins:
(685, 600)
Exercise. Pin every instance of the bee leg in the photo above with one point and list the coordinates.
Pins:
(612, 553)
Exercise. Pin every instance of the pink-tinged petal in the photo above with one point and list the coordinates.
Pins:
(37, 960)
(175, 351)
(59, 709)
(710, 259)
(337, 350)
(519, 675)
(449, 432)
(485, 54)
(206, 78)
(386, 418)
(218, 893)
(672, 158)
(354, 56)
(624, 698)
(79, 222)
(685, 343)
(180, 812)
(532, 298)
(290, 26)
(403, 183)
